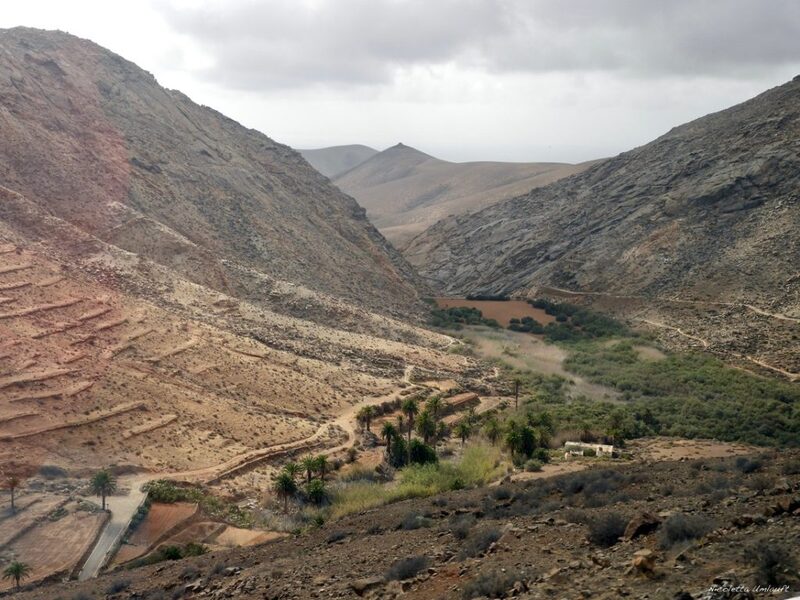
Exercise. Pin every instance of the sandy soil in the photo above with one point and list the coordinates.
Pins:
(660, 449)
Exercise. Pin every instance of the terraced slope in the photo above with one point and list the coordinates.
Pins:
(108, 357)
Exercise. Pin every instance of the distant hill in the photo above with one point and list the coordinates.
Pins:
(405, 191)
(335, 160)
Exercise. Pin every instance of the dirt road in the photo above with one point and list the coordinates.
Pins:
(122, 510)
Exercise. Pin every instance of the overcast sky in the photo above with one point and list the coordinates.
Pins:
(523, 80)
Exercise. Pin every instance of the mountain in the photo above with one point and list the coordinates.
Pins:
(706, 216)
(177, 293)
(94, 140)
(335, 160)
(405, 190)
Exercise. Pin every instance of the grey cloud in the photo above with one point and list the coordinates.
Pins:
(291, 43)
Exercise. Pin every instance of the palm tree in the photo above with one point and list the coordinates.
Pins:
(492, 430)
(309, 465)
(103, 483)
(410, 409)
(316, 491)
(321, 464)
(12, 483)
(513, 437)
(387, 433)
(17, 571)
(441, 430)
(292, 469)
(426, 426)
(434, 405)
(463, 429)
(365, 416)
(285, 487)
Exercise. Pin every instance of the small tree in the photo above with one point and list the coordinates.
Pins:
(321, 465)
(512, 437)
(492, 430)
(463, 430)
(316, 491)
(309, 465)
(11, 484)
(104, 484)
(410, 410)
(365, 416)
(434, 406)
(17, 571)
(292, 469)
(426, 426)
(285, 487)
(388, 433)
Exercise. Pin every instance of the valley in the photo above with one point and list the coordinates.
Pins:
(232, 369)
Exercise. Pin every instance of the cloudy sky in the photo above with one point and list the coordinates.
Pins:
(515, 80)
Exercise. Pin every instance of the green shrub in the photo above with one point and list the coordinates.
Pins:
(533, 465)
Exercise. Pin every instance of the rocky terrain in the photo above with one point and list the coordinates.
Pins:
(94, 140)
(670, 529)
(405, 190)
(336, 160)
(694, 233)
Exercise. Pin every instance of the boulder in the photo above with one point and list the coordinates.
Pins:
(641, 524)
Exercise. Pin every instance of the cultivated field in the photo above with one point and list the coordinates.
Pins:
(52, 547)
(501, 311)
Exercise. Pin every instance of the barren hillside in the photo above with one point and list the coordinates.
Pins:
(336, 160)
(695, 233)
(94, 139)
(405, 190)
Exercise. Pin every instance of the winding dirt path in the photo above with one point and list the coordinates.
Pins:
(750, 307)
(678, 330)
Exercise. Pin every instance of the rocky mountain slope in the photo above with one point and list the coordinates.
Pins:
(177, 292)
(405, 190)
(336, 160)
(94, 140)
(705, 220)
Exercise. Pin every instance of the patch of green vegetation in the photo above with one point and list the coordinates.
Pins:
(686, 395)
(167, 492)
(575, 323)
(169, 553)
(479, 465)
(457, 316)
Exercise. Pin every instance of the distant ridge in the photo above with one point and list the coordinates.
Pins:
(405, 190)
(336, 160)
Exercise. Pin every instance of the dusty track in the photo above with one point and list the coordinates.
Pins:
(750, 307)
